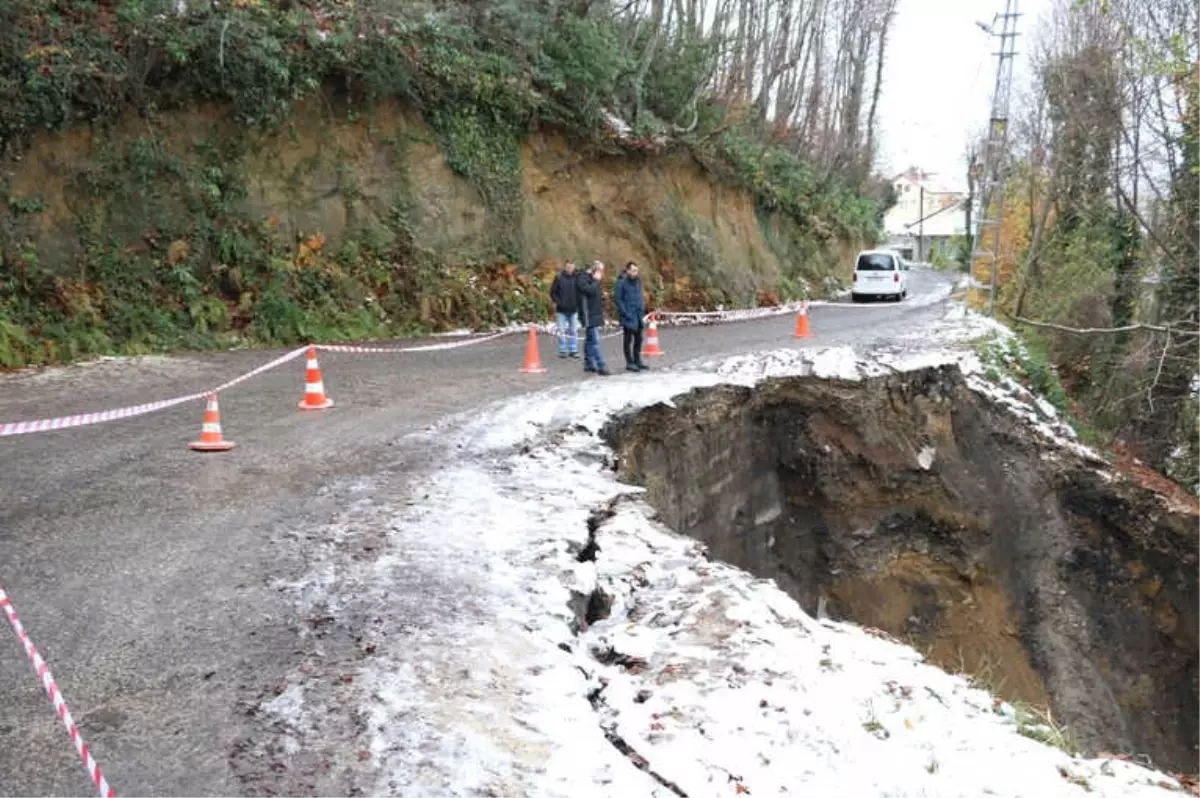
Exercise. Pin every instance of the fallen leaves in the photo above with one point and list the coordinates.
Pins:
(1189, 781)
(309, 249)
(880, 634)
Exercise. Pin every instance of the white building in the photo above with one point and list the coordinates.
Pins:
(926, 217)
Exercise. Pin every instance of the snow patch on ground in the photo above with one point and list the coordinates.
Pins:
(695, 679)
(723, 685)
(926, 457)
(701, 680)
(960, 325)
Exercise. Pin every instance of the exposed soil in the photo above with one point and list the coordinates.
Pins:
(341, 174)
(912, 504)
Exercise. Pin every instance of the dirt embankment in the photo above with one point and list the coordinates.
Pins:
(912, 504)
(378, 175)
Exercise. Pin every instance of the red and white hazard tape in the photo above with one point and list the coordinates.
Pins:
(279, 361)
(670, 318)
(665, 318)
(60, 705)
(393, 350)
(84, 419)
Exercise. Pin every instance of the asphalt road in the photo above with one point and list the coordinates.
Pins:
(144, 572)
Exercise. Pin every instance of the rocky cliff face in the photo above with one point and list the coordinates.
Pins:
(912, 504)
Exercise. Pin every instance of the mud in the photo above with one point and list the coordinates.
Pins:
(912, 504)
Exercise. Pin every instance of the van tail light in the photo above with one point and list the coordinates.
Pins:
(895, 277)
(856, 275)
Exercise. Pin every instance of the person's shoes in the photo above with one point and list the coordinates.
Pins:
(641, 366)
(562, 354)
(632, 367)
(575, 355)
(590, 369)
(604, 373)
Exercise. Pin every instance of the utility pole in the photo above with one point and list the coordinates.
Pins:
(970, 208)
(921, 224)
(991, 179)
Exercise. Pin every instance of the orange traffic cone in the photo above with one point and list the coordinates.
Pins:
(802, 322)
(533, 357)
(211, 439)
(314, 388)
(651, 349)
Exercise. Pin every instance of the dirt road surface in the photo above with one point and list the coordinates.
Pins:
(148, 574)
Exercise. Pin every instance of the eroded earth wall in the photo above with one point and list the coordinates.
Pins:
(912, 504)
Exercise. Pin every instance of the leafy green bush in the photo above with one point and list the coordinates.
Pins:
(488, 153)
(782, 182)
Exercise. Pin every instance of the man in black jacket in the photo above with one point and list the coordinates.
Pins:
(591, 307)
(565, 294)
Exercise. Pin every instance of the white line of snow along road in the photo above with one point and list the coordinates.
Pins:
(736, 690)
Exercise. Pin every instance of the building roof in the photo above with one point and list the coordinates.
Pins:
(929, 180)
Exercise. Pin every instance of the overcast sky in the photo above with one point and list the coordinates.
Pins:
(938, 80)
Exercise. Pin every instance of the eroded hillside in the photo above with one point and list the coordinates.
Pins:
(914, 505)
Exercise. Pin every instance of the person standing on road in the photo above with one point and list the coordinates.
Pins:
(631, 308)
(591, 307)
(564, 291)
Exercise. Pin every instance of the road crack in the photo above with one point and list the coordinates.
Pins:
(596, 699)
(590, 608)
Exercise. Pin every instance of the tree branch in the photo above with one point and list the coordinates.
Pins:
(1158, 373)
(1102, 330)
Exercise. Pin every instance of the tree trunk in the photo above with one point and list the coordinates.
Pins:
(881, 50)
(656, 17)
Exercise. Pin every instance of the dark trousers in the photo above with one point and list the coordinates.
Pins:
(633, 345)
(592, 359)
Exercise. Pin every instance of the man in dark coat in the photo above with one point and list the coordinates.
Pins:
(631, 307)
(591, 308)
(565, 294)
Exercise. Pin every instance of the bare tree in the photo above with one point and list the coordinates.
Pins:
(1110, 147)
(811, 70)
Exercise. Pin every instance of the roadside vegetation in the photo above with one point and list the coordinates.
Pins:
(773, 96)
(1098, 266)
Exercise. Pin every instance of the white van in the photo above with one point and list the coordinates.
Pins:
(879, 273)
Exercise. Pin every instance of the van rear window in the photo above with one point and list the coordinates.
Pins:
(875, 263)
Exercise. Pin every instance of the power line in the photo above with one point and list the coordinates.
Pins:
(954, 206)
(991, 175)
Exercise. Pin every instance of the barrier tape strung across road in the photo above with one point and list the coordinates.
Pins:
(551, 328)
(391, 350)
(85, 419)
(60, 705)
(279, 361)
(690, 318)
(668, 318)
